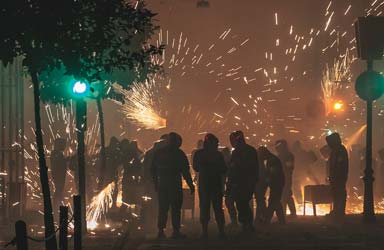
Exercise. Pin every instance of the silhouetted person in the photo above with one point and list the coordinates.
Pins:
(338, 174)
(59, 169)
(228, 199)
(275, 180)
(210, 165)
(260, 193)
(199, 145)
(242, 178)
(132, 171)
(169, 165)
(150, 206)
(288, 161)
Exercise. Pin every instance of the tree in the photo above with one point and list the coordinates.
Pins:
(31, 29)
(87, 37)
(106, 36)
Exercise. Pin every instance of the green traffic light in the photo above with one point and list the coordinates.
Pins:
(80, 88)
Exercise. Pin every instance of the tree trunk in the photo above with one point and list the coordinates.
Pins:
(81, 127)
(51, 244)
(103, 166)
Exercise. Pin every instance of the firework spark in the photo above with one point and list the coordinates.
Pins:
(140, 106)
(99, 205)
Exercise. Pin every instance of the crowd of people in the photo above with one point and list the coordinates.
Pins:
(223, 176)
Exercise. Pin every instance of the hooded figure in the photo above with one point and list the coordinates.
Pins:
(288, 161)
(275, 180)
(209, 163)
(242, 178)
(169, 165)
(338, 174)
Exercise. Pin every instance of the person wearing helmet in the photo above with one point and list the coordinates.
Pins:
(168, 166)
(209, 163)
(275, 180)
(242, 178)
(338, 174)
(288, 161)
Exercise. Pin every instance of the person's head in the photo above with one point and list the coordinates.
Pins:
(333, 140)
(200, 144)
(175, 140)
(164, 137)
(125, 145)
(263, 153)
(237, 138)
(281, 146)
(59, 144)
(210, 142)
(113, 142)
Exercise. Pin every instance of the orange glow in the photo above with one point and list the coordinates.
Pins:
(338, 106)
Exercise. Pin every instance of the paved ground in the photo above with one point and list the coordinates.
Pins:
(302, 233)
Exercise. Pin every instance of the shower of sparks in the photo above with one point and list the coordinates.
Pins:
(61, 124)
(140, 106)
(99, 205)
(271, 82)
(333, 79)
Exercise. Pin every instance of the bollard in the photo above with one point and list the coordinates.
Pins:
(63, 240)
(21, 235)
(77, 222)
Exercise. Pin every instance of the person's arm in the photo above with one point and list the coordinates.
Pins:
(184, 164)
(153, 169)
(196, 162)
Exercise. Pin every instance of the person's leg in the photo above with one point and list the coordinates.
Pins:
(164, 203)
(245, 213)
(274, 202)
(291, 206)
(176, 204)
(230, 204)
(217, 203)
(334, 200)
(279, 208)
(261, 206)
(343, 199)
(340, 201)
(284, 201)
(204, 201)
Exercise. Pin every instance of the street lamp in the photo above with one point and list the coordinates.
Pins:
(80, 90)
(369, 87)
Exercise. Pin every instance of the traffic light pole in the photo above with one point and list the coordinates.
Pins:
(369, 212)
(81, 127)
